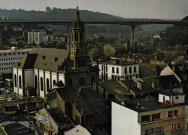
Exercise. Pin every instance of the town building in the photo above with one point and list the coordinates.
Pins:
(52, 122)
(167, 115)
(38, 36)
(117, 70)
(45, 69)
(9, 57)
(84, 107)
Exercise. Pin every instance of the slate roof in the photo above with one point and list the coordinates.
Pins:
(116, 88)
(72, 96)
(63, 121)
(151, 104)
(44, 58)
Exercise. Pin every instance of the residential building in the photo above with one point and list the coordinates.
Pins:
(116, 70)
(38, 36)
(9, 57)
(83, 106)
(165, 116)
(52, 122)
(45, 69)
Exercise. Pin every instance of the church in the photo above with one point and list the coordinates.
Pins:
(44, 69)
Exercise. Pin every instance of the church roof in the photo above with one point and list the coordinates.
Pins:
(43, 58)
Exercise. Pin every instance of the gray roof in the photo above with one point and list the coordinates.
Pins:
(44, 58)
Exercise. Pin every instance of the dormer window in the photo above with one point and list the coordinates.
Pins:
(43, 57)
(55, 59)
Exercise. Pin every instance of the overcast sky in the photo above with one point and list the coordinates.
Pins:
(168, 9)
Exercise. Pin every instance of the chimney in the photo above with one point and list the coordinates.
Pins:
(139, 104)
(153, 85)
(147, 98)
(171, 100)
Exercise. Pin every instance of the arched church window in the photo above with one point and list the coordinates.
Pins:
(15, 80)
(20, 81)
(82, 81)
(35, 82)
(47, 84)
(41, 84)
(54, 82)
(92, 80)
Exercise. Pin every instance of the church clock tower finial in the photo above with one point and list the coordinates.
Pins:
(77, 13)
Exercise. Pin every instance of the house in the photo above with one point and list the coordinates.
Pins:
(150, 116)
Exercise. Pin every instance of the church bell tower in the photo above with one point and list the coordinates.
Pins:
(78, 50)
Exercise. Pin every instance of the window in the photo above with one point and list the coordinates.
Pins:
(145, 118)
(41, 83)
(179, 125)
(130, 70)
(15, 80)
(117, 70)
(76, 36)
(177, 97)
(173, 126)
(106, 76)
(112, 69)
(112, 77)
(54, 83)
(106, 68)
(155, 116)
(47, 84)
(176, 113)
(170, 114)
(149, 131)
(35, 82)
(102, 67)
(20, 82)
(125, 70)
(159, 129)
(134, 69)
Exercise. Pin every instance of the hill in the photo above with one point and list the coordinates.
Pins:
(55, 14)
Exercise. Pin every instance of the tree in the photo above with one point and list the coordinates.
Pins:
(48, 9)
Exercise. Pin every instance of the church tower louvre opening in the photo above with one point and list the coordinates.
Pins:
(78, 50)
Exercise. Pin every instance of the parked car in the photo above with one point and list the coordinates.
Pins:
(8, 91)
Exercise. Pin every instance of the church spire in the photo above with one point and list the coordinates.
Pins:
(77, 14)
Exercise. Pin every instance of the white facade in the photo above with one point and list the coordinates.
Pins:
(37, 37)
(166, 120)
(177, 99)
(9, 57)
(124, 121)
(118, 71)
(40, 79)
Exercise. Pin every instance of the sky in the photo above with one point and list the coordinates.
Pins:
(161, 9)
